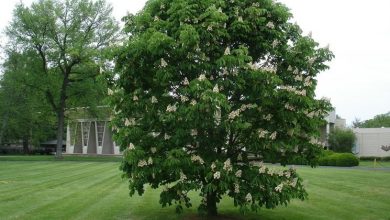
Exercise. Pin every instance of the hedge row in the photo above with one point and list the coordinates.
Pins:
(339, 160)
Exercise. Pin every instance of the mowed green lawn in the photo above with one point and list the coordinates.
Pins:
(95, 190)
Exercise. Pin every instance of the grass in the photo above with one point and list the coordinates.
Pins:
(95, 190)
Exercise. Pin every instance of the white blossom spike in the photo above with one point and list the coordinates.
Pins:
(202, 77)
(248, 197)
(216, 89)
(185, 81)
(227, 51)
(131, 146)
(270, 25)
(217, 175)
(154, 100)
(238, 173)
(163, 63)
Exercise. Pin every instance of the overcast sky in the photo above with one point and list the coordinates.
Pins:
(358, 81)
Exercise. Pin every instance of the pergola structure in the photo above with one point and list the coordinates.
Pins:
(90, 136)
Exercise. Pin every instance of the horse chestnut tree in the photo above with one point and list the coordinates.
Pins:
(206, 90)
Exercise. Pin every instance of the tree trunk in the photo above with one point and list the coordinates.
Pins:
(61, 118)
(212, 204)
(26, 150)
(3, 127)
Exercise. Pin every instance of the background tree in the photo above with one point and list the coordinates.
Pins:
(24, 114)
(69, 37)
(382, 120)
(341, 140)
(203, 87)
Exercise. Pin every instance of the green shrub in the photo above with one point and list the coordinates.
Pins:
(341, 140)
(339, 159)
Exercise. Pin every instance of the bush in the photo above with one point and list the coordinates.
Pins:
(339, 160)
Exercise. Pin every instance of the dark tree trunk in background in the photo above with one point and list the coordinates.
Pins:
(26, 150)
(212, 204)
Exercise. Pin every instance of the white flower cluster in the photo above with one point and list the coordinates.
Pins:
(234, 114)
(269, 69)
(156, 18)
(193, 102)
(240, 19)
(213, 166)
(196, 158)
(239, 157)
(171, 108)
(131, 146)
(209, 28)
(238, 173)
(271, 172)
(315, 141)
(308, 81)
(217, 175)
(216, 89)
(248, 197)
(183, 177)
(312, 60)
(185, 81)
(217, 115)
(262, 169)
(262, 133)
(298, 78)
(296, 71)
(293, 90)
(155, 134)
(142, 163)
(110, 92)
(129, 121)
(154, 100)
(202, 77)
(267, 117)
(236, 188)
(166, 136)
(275, 43)
(279, 188)
(273, 135)
(163, 63)
(227, 165)
(288, 174)
(270, 25)
(294, 182)
(289, 107)
(227, 51)
(194, 132)
(150, 161)
(247, 106)
(153, 150)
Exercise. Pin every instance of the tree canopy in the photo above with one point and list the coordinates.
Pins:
(206, 86)
(69, 38)
(381, 120)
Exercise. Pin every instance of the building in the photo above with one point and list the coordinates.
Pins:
(369, 142)
(88, 135)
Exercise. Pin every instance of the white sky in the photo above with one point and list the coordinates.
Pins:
(358, 81)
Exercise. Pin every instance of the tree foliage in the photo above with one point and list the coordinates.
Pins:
(206, 86)
(341, 140)
(382, 120)
(24, 114)
(69, 37)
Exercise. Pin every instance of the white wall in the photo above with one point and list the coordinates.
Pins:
(370, 140)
